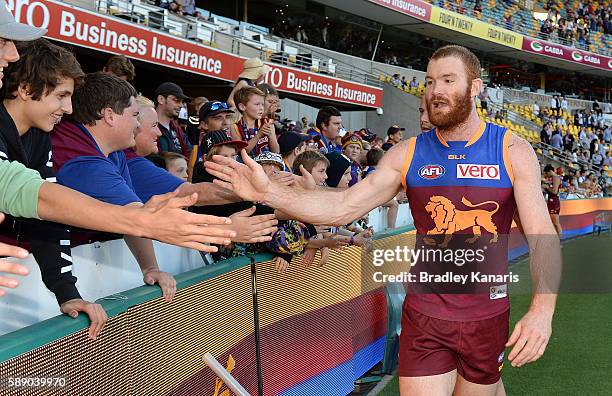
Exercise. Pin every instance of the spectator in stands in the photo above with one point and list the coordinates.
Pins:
(556, 141)
(607, 134)
(271, 101)
(484, 98)
(170, 99)
(372, 158)
(120, 66)
(193, 122)
(213, 116)
(583, 138)
(394, 136)
(314, 163)
(546, 133)
(175, 7)
(253, 73)
(189, 7)
(253, 128)
(176, 164)
(147, 132)
(597, 159)
(568, 142)
(413, 83)
(424, 122)
(291, 145)
(352, 146)
(564, 104)
(377, 143)
(328, 125)
(338, 171)
(593, 146)
(404, 82)
(536, 109)
(37, 92)
(89, 157)
(395, 80)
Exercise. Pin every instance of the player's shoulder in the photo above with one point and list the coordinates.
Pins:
(399, 153)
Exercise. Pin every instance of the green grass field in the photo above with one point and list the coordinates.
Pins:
(578, 360)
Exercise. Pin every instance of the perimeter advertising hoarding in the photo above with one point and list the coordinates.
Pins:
(559, 51)
(92, 30)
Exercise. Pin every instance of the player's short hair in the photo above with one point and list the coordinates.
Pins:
(470, 61)
(41, 67)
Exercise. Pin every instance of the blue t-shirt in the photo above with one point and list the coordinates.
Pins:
(148, 179)
(80, 164)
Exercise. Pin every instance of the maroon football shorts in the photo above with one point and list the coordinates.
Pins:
(554, 205)
(430, 346)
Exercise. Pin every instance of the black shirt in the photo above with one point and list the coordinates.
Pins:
(49, 242)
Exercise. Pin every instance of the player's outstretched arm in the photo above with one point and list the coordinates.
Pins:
(531, 334)
(162, 218)
(317, 206)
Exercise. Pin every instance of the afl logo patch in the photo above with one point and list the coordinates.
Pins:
(431, 172)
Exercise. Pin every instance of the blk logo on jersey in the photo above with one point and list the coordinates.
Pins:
(477, 171)
(431, 172)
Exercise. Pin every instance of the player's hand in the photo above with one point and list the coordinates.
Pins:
(165, 280)
(253, 229)
(248, 180)
(94, 311)
(281, 264)
(306, 181)
(164, 219)
(530, 337)
(282, 177)
(11, 268)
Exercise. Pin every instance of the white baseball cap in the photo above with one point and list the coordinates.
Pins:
(13, 30)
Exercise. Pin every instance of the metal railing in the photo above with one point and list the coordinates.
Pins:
(222, 36)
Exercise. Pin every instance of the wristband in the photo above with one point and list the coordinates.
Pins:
(352, 240)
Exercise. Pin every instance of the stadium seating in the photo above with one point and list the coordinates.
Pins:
(522, 20)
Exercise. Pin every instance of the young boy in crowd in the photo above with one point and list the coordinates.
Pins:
(253, 128)
(176, 164)
(37, 92)
(372, 159)
(271, 101)
(352, 146)
(291, 145)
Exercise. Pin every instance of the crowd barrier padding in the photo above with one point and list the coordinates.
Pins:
(321, 328)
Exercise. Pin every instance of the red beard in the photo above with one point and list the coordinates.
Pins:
(455, 111)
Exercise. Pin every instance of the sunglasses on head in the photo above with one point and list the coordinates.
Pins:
(219, 105)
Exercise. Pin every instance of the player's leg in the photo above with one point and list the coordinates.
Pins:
(431, 385)
(427, 361)
(554, 217)
(464, 387)
(481, 356)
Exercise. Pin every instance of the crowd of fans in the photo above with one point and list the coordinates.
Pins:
(587, 156)
(119, 147)
(575, 29)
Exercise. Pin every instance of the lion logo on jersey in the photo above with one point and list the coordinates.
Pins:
(448, 219)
